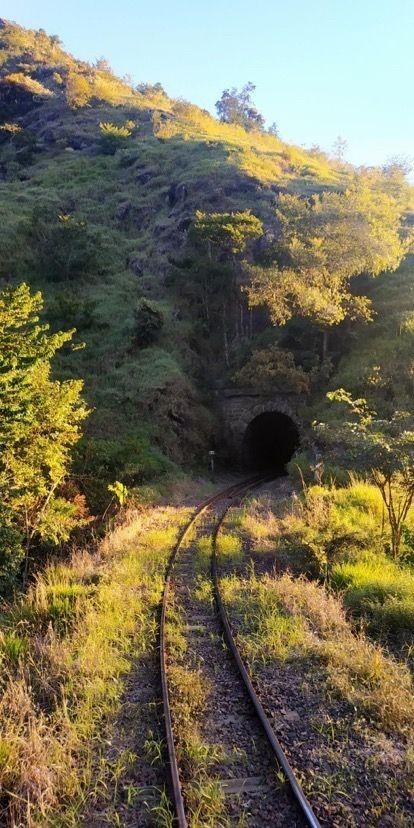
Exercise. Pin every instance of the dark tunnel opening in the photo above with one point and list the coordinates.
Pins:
(270, 441)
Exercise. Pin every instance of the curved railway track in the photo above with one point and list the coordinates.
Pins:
(238, 715)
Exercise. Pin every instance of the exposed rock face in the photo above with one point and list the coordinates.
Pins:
(135, 263)
(184, 224)
(145, 176)
(49, 136)
(123, 210)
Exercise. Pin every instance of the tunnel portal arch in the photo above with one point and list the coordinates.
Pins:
(240, 407)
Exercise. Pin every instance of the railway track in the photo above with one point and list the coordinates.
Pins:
(246, 760)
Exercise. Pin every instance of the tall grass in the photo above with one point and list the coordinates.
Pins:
(65, 649)
(338, 534)
(291, 618)
(378, 589)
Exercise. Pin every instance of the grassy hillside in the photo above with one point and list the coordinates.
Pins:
(90, 164)
(137, 205)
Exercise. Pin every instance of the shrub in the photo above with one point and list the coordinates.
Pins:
(329, 525)
(306, 469)
(64, 246)
(149, 321)
(133, 459)
(28, 84)
(11, 553)
(78, 90)
(40, 423)
(273, 368)
(114, 137)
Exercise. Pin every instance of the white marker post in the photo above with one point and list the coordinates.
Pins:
(212, 455)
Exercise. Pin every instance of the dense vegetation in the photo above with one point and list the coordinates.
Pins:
(151, 253)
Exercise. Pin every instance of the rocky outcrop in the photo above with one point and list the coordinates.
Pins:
(177, 194)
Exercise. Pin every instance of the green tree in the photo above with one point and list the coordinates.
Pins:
(237, 107)
(323, 242)
(384, 449)
(40, 422)
(395, 179)
(224, 237)
(228, 232)
(273, 369)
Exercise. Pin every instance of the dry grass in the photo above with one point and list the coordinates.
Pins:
(291, 617)
(258, 154)
(354, 747)
(339, 535)
(65, 649)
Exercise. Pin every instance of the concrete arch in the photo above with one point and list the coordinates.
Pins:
(239, 407)
(279, 405)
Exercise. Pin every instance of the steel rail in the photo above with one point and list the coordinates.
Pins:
(176, 788)
(275, 745)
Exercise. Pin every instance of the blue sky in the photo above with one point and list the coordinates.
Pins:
(321, 67)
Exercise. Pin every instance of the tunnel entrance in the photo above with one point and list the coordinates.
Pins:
(269, 442)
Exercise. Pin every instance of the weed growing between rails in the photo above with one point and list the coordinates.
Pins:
(226, 769)
(67, 649)
(189, 691)
(342, 708)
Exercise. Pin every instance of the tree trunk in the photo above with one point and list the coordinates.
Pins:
(325, 344)
(206, 305)
(225, 338)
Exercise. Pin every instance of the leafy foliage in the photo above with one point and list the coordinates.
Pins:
(114, 137)
(149, 320)
(66, 248)
(119, 491)
(273, 369)
(134, 457)
(40, 418)
(385, 450)
(237, 107)
(224, 236)
(11, 550)
(325, 241)
(78, 90)
(28, 84)
(230, 232)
